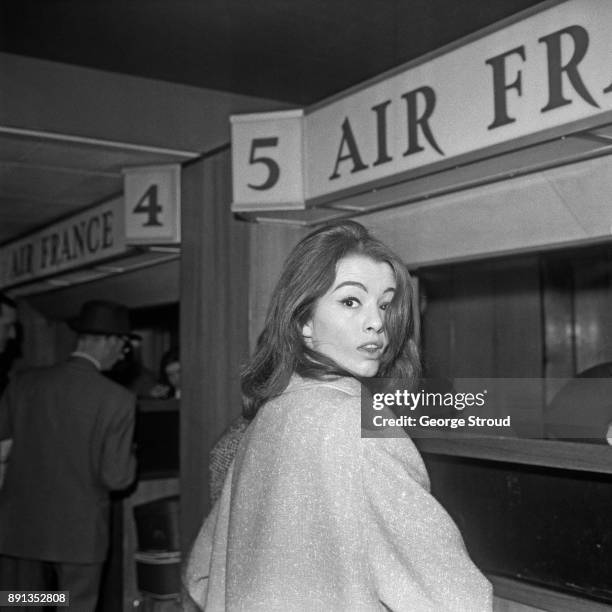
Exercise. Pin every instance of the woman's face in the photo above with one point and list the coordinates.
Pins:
(347, 322)
(173, 373)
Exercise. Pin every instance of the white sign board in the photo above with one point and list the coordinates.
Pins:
(267, 160)
(152, 204)
(90, 236)
(545, 71)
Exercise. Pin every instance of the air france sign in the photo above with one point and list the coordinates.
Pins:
(93, 235)
(148, 213)
(548, 70)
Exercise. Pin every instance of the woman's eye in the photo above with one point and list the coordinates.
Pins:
(351, 302)
(384, 306)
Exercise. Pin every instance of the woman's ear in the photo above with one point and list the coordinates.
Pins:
(307, 333)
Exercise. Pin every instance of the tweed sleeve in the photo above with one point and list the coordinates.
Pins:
(222, 455)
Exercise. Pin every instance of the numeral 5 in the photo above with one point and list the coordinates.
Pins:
(271, 165)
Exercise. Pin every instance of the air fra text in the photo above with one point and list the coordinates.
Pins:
(410, 118)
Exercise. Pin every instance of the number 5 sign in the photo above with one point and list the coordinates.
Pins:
(267, 161)
(152, 204)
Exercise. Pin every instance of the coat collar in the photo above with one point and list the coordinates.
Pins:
(347, 384)
(80, 360)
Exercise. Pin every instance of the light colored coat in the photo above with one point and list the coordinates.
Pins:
(313, 517)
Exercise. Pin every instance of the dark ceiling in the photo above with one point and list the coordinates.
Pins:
(299, 51)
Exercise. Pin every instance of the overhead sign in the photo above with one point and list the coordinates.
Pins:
(274, 142)
(547, 70)
(152, 204)
(97, 233)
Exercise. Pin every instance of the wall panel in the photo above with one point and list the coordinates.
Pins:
(270, 245)
(214, 325)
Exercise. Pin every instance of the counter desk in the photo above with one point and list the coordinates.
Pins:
(157, 450)
(536, 515)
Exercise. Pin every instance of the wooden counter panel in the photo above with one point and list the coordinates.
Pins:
(547, 453)
(547, 526)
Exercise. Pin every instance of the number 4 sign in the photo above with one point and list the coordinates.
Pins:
(152, 204)
(267, 169)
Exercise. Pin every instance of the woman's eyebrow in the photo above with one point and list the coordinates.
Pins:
(352, 284)
(360, 285)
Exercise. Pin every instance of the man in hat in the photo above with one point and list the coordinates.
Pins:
(8, 338)
(72, 432)
(9, 351)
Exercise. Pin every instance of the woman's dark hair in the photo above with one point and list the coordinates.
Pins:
(307, 275)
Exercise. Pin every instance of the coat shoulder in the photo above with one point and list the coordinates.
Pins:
(83, 379)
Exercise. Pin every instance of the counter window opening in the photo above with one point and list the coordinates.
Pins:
(539, 326)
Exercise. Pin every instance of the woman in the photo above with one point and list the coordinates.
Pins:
(169, 376)
(313, 516)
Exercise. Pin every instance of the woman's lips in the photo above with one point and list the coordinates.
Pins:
(371, 348)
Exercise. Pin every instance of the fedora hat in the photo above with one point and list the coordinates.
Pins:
(104, 318)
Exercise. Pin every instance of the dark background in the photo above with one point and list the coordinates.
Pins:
(298, 51)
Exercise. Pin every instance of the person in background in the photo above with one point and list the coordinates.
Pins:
(169, 376)
(130, 372)
(72, 431)
(312, 515)
(10, 349)
(9, 338)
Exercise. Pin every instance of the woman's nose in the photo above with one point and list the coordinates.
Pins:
(374, 319)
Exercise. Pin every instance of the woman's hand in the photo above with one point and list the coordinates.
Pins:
(160, 391)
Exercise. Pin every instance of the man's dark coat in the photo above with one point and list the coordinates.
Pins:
(72, 431)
